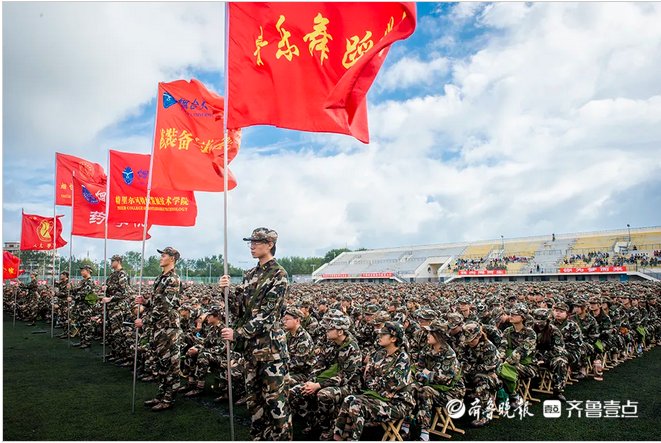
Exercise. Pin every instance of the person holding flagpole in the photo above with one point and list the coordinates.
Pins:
(257, 304)
(117, 291)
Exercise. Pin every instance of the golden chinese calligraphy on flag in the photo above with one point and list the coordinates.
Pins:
(37, 232)
(188, 144)
(129, 175)
(65, 165)
(89, 214)
(308, 66)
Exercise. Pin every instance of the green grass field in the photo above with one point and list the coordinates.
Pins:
(53, 392)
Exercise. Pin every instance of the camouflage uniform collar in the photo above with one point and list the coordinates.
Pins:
(169, 273)
(267, 265)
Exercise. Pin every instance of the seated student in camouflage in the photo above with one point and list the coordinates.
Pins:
(437, 375)
(551, 352)
(300, 347)
(571, 334)
(479, 361)
(387, 381)
(590, 330)
(335, 375)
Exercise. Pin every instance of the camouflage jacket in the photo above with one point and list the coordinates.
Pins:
(164, 303)
(62, 289)
(257, 303)
(418, 343)
(444, 367)
(605, 325)
(571, 334)
(553, 347)
(213, 345)
(84, 288)
(301, 354)
(494, 334)
(348, 361)
(117, 287)
(311, 325)
(589, 327)
(518, 347)
(389, 375)
(482, 359)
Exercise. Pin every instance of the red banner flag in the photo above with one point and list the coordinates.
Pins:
(10, 266)
(37, 233)
(89, 214)
(129, 174)
(65, 165)
(188, 147)
(308, 66)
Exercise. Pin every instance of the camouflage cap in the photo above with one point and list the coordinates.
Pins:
(185, 307)
(454, 319)
(437, 326)
(471, 330)
(88, 267)
(394, 329)
(381, 317)
(171, 252)
(335, 319)
(579, 302)
(466, 300)
(562, 306)
(519, 309)
(294, 312)
(214, 310)
(594, 301)
(116, 257)
(541, 314)
(264, 235)
(371, 309)
(399, 317)
(425, 314)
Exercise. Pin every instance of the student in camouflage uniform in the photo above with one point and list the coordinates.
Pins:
(387, 380)
(455, 332)
(117, 309)
(479, 361)
(590, 330)
(61, 304)
(438, 377)
(300, 346)
(571, 334)
(257, 303)
(166, 331)
(466, 309)
(84, 299)
(32, 300)
(419, 342)
(551, 350)
(518, 347)
(335, 375)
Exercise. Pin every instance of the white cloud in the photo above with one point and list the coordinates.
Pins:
(411, 71)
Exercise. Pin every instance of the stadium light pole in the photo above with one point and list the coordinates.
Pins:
(209, 273)
(502, 242)
(629, 228)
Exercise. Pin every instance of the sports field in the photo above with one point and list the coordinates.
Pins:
(53, 392)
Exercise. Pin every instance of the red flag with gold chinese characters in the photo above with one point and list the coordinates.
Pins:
(37, 233)
(89, 214)
(129, 175)
(308, 66)
(65, 165)
(10, 266)
(188, 146)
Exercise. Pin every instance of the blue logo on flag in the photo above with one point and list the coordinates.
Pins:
(89, 197)
(127, 175)
(168, 100)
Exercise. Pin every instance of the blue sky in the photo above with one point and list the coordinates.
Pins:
(509, 119)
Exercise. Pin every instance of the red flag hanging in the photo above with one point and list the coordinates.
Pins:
(10, 266)
(188, 147)
(64, 166)
(129, 173)
(308, 66)
(89, 214)
(37, 233)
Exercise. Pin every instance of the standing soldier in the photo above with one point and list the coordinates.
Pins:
(32, 300)
(258, 333)
(166, 332)
(62, 306)
(118, 307)
(84, 300)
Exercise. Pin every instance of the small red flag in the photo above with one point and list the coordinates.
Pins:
(89, 214)
(129, 175)
(308, 66)
(65, 165)
(188, 147)
(37, 233)
(10, 266)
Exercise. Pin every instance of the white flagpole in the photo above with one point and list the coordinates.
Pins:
(225, 185)
(73, 191)
(19, 267)
(52, 300)
(142, 257)
(105, 252)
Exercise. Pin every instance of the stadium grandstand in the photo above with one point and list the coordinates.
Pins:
(621, 255)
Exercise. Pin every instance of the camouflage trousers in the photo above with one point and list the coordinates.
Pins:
(524, 372)
(318, 410)
(356, 410)
(427, 398)
(115, 332)
(165, 346)
(267, 400)
(31, 309)
(81, 315)
(575, 356)
(482, 387)
(62, 307)
(558, 366)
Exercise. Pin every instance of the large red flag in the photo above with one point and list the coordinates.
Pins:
(10, 266)
(65, 165)
(89, 214)
(129, 174)
(188, 147)
(37, 233)
(308, 66)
